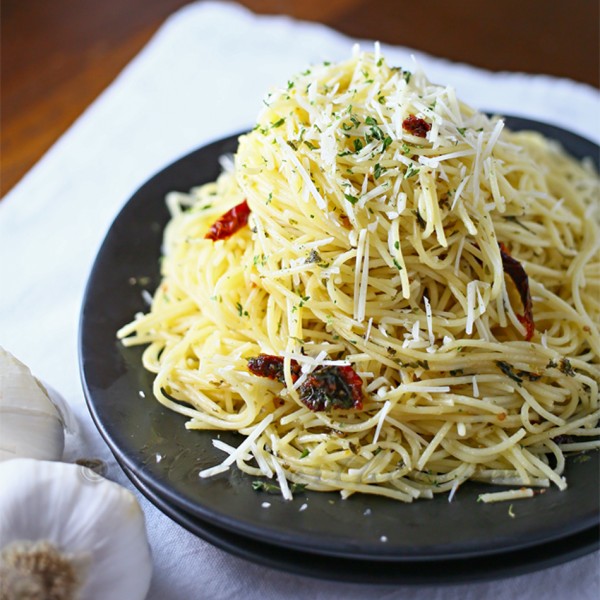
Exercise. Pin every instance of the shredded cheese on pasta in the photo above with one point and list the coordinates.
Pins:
(373, 245)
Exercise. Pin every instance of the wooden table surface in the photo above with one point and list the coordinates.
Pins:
(58, 55)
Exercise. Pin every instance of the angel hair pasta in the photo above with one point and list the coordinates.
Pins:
(386, 292)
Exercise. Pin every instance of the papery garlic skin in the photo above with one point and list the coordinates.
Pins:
(95, 522)
(31, 426)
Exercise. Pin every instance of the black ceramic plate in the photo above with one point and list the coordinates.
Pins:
(378, 572)
(152, 443)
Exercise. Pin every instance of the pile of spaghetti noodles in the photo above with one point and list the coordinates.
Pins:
(375, 229)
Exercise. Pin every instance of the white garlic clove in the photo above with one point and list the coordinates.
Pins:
(64, 525)
(31, 426)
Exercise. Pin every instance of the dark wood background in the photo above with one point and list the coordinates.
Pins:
(58, 55)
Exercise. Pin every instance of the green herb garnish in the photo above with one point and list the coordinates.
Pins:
(273, 488)
(508, 371)
(411, 171)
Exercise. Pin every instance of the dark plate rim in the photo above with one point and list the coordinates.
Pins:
(360, 571)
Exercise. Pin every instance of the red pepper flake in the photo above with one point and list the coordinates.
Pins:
(514, 269)
(232, 221)
(416, 126)
(326, 387)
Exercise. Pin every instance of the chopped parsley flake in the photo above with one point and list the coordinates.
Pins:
(411, 171)
(304, 300)
(314, 257)
(508, 371)
(273, 488)
(240, 309)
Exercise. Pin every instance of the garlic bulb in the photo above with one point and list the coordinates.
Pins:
(30, 423)
(67, 533)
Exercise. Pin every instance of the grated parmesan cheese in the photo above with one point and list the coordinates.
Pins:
(360, 287)
(471, 296)
(507, 495)
(429, 320)
(382, 415)
(238, 452)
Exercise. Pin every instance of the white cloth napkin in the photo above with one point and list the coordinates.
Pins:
(202, 77)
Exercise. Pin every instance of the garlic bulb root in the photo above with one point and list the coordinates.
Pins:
(33, 570)
(67, 529)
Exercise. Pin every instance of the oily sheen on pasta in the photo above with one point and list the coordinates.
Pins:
(402, 239)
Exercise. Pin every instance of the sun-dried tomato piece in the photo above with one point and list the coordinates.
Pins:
(332, 387)
(267, 365)
(514, 269)
(416, 126)
(232, 221)
(325, 388)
